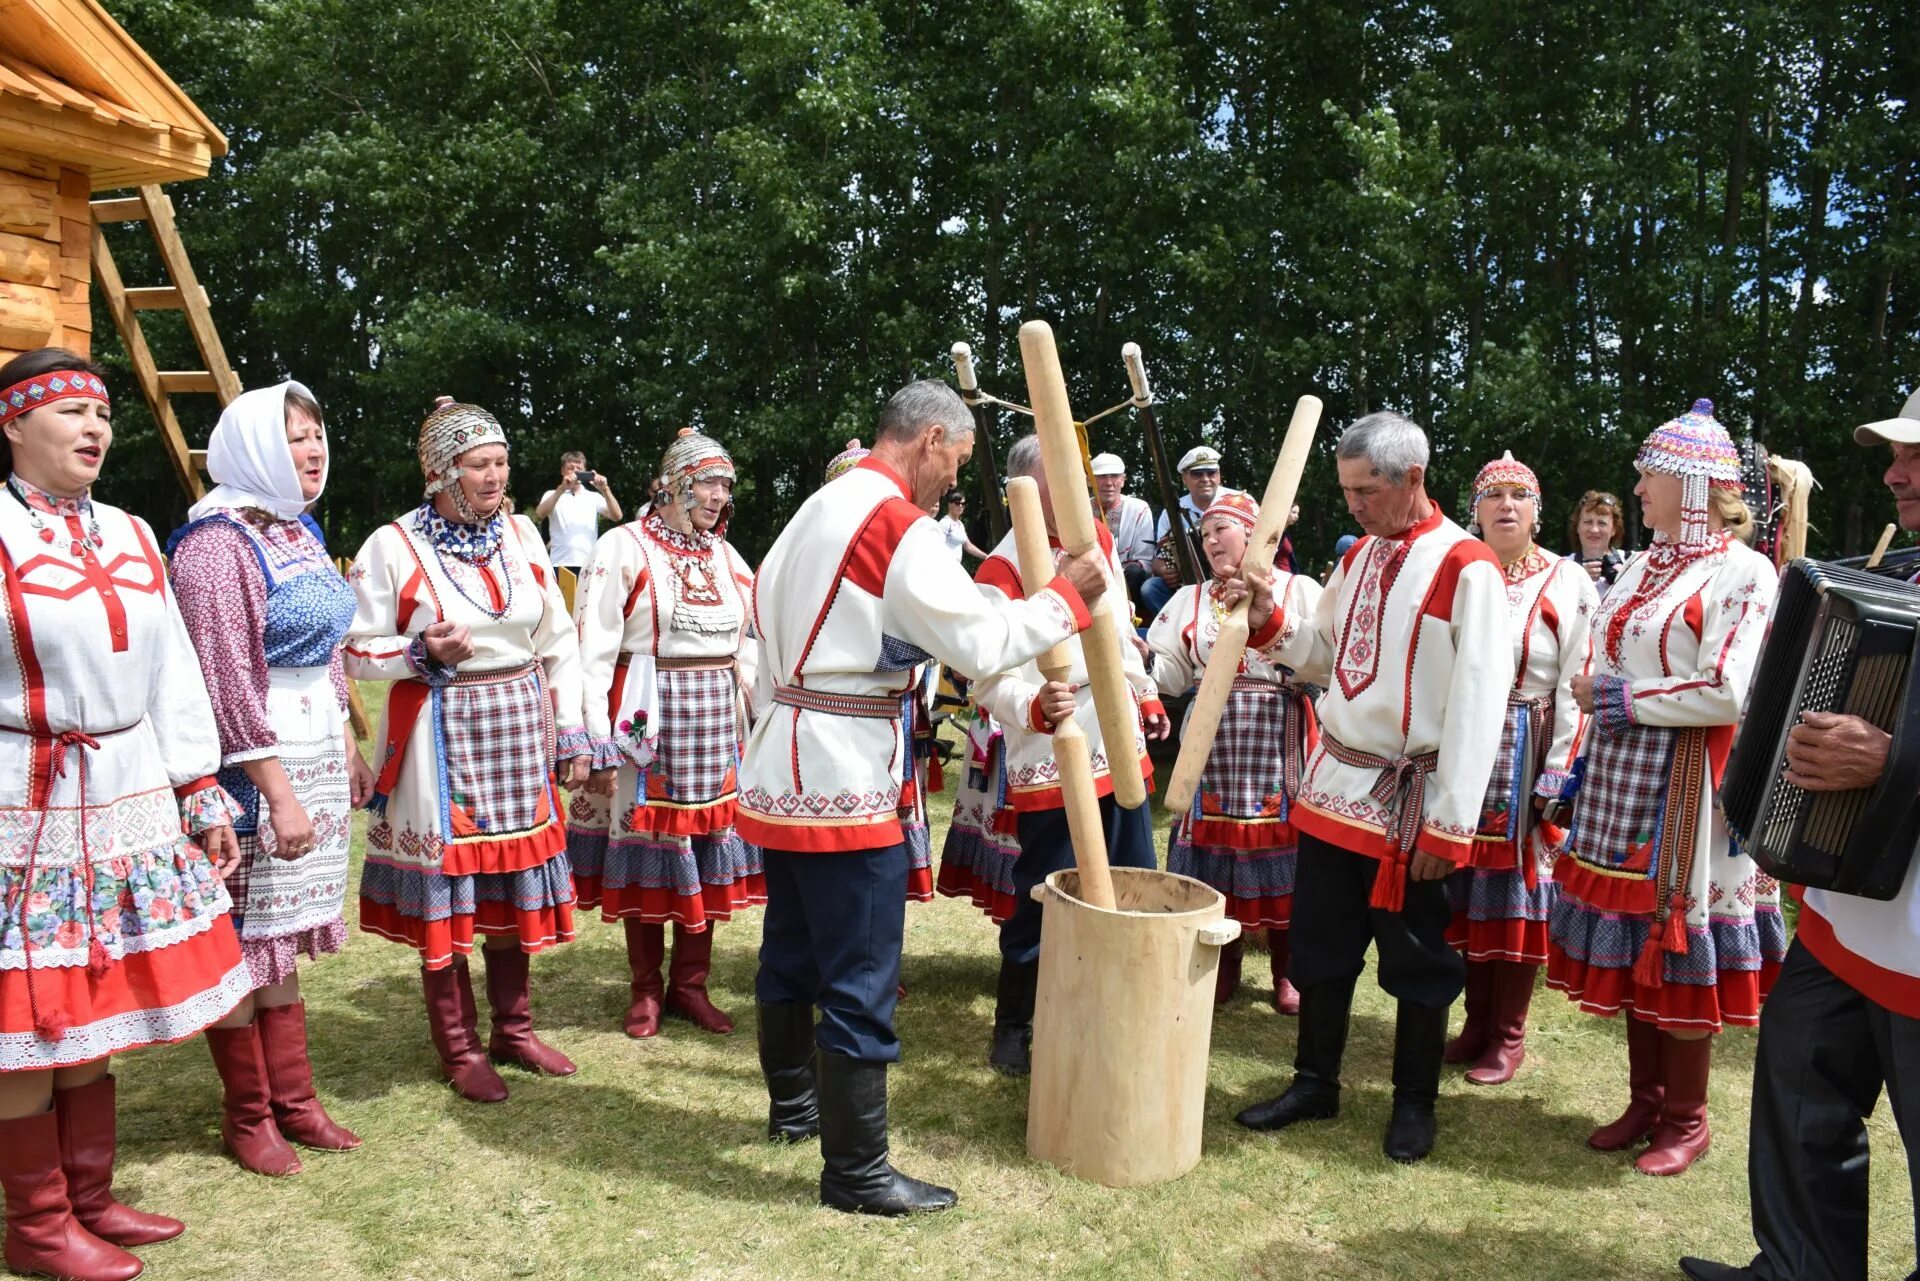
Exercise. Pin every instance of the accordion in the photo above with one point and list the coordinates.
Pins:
(1842, 640)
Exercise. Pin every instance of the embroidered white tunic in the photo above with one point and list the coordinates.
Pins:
(855, 594)
(1033, 777)
(107, 742)
(1550, 604)
(1411, 641)
(404, 586)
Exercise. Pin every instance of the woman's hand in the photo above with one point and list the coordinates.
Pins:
(574, 771)
(360, 777)
(222, 849)
(1582, 689)
(449, 643)
(292, 829)
(600, 781)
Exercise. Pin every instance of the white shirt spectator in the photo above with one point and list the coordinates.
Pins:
(1131, 521)
(573, 526)
(954, 531)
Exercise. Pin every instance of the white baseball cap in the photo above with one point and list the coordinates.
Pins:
(1904, 430)
(1108, 465)
(1199, 456)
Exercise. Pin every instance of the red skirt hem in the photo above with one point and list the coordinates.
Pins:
(470, 857)
(1734, 999)
(661, 819)
(439, 941)
(959, 882)
(1627, 895)
(1519, 940)
(919, 885)
(1243, 834)
(657, 905)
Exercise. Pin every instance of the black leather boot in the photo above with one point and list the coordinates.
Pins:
(1315, 1092)
(853, 1143)
(1708, 1270)
(1419, 1041)
(1011, 1053)
(786, 1059)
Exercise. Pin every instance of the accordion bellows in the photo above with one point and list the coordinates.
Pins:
(1842, 640)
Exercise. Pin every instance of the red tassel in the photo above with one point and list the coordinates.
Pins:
(52, 1026)
(98, 962)
(1676, 931)
(1390, 885)
(1649, 970)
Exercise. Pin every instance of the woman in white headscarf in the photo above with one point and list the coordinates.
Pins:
(267, 611)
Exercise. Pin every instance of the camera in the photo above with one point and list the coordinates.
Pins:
(585, 477)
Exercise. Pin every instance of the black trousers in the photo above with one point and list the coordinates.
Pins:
(1825, 1052)
(1333, 923)
(831, 938)
(1046, 847)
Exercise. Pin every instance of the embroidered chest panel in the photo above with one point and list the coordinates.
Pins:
(1357, 661)
(692, 578)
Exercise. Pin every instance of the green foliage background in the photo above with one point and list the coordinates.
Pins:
(1545, 225)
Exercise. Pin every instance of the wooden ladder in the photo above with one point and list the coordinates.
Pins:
(158, 386)
(183, 294)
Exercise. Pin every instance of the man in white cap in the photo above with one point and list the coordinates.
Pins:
(1129, 520)
(1200, 472)
(1843, 1019)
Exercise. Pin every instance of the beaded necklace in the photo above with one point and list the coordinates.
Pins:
(36, 500)
(473, 545)
(1661, 568)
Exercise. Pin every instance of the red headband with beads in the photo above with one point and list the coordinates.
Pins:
(44, 389)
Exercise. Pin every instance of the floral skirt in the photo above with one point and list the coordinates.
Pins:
(172, 963)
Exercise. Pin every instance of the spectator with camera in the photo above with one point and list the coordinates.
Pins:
(1597, 529)
(573, 512)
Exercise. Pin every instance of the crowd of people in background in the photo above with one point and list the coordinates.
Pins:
(1477, 757)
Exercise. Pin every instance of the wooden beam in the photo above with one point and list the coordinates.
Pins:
(114, 155)
(120, 209)
(27, 205)
(107, 274)
(175, 381)
(29, 260)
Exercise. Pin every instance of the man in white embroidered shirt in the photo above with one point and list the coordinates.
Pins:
(1843, 1019)
(1411, 642)
(857, 593)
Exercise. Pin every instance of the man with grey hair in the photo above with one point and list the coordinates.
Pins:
(1027, 706)
(1411, 642)
(857, 593)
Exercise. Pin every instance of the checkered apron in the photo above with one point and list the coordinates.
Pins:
(500, 744)
(1523, 741)
(699, 741)
(1622, 793)
(1258, 751)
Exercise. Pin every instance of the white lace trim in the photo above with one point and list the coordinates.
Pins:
(49, 957)
(86, 1042)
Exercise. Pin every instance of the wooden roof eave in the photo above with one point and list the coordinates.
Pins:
(115, 155)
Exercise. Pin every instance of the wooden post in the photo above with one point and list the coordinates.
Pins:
(1210, 704)
(1070, 753)
(1060, 451)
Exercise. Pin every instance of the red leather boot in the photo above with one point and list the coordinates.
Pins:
(1472, 1041)
(1507, 1024)
(687, 981)
(513, 1041)
(246, 1123)
(1646, 1092)
(283, 1043)
(451, 1022)
(88, 1142)
(1286, 997)
(646, 948)
(1682, 1137)
(43, 1237)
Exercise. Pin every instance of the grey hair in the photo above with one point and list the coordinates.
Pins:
(1024, 458)
(925, 403)
(1393, 443)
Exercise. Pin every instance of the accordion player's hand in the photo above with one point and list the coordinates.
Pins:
(1829, 752)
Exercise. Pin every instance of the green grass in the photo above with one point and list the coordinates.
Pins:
(650, 1162)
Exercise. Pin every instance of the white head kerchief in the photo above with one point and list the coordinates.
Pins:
(249, 460)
